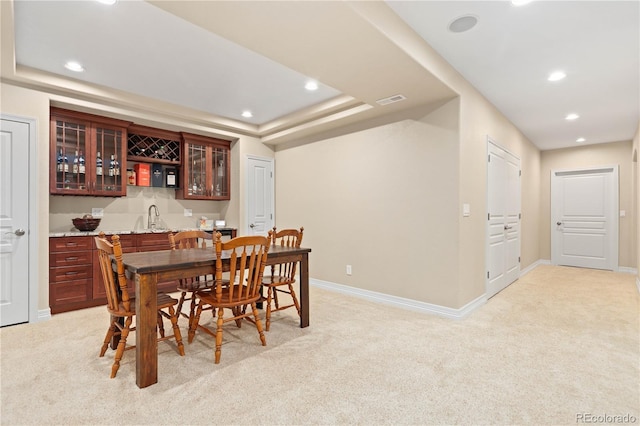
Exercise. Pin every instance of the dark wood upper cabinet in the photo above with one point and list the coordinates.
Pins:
(88, 154)
(205, 169)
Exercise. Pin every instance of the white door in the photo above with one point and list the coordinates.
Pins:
(14, 222)
(503, 228)
(584, 220)
(259, 196)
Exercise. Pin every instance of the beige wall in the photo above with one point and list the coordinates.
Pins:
(617, 153)
(405, 183)
(55, 212)
(479, 119)
(636, 199)
(355, 207)
(382, 200)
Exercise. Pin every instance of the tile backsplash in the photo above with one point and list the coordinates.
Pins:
(130, 212)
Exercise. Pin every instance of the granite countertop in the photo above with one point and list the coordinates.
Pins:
(120, 232)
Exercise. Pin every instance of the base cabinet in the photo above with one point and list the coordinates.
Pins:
(70, 273)
(75, 278)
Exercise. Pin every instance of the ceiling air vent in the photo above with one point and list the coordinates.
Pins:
(391, 99)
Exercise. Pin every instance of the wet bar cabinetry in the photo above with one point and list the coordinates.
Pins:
(88, 154)
(70, 273)
(75, 278)
(94, 155)
(205, 169)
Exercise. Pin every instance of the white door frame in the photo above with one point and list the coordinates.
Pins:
(32, 237)
(615, 200)
(247, 192)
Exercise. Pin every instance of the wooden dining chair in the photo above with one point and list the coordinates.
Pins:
(246, 256)
(122, 308)
(283, 275)
(189, 286)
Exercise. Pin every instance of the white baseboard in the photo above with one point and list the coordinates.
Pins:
(401, 302)
(44, 314)
(534, 265)
(623, 269)
(638, 283)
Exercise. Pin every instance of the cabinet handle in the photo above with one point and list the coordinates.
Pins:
(71, 258)
(71, 244)
(72, 273)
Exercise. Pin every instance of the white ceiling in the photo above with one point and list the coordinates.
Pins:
(209, 61)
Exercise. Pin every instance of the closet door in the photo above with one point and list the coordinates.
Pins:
(503, 226)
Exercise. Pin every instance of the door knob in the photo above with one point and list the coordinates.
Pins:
(507, 227)
(558, 223)
(252, 226)
(19, 232)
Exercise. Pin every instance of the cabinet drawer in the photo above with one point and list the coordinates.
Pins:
(127, 241)
(71, 258)
(69, 273)
(58, 244)
(148, 242)
(70, 292)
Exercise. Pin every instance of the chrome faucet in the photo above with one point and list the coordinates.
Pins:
(152, 223)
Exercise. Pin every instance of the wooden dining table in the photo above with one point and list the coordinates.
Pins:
(146, 269)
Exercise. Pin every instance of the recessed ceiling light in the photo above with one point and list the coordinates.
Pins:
(580, 140)
(247, 114)
(571, 116)
(74, 66)
(311, 86)
(109, 2)
(557, 75)
(520, 2)
(463, 23)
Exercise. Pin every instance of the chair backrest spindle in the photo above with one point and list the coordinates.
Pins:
(117, 292)
(247, 257)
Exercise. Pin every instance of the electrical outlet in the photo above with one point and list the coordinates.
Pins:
(348, 269)
(97, 212)
(188, 213)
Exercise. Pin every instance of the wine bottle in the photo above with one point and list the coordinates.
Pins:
(81, 164)
(98, 165)
(60, 161)
(65, 163)
(74, 169)
(112, 166)
(116, 166)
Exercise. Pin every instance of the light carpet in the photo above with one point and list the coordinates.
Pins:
(557, 346)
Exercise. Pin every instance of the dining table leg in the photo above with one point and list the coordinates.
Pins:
(146, 323)
(304, 290)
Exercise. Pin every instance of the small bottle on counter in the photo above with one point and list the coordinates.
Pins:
(131, 177)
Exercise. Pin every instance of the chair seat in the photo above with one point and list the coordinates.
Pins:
(164, 301)
(195, 285)
(209, 297)
(277, 280)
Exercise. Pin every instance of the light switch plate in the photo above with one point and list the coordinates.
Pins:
(188, 213)
(623, 213)
(466, 210)
(97, 212)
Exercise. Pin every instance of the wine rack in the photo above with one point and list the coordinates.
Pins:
(150, 149)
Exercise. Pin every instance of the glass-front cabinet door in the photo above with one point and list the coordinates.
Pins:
(205, 171)
(108, 161)
(88, 154)
(69, 168)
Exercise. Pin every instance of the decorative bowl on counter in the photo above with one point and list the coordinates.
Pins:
(86, 224)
